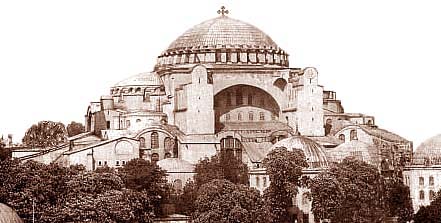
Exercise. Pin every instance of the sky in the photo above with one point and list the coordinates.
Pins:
(381, 57)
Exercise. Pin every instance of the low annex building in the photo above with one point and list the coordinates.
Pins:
(225, 86)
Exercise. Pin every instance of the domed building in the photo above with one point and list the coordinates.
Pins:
(222, 86)
(7, 215)
(423, 176)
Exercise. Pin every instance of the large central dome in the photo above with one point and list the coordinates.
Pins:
(223, 31)
(224, 40)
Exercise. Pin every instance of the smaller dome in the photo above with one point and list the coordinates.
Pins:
(141, 79)
(357, 149)
(429, 152)
(313, 151)
(176, 165)
(7, 215)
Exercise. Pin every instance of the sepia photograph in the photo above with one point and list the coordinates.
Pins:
(220, 111)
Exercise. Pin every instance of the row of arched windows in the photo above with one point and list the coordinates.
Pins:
(431, 181)
(250, 116)
(352, 136)
(240, 99)
(154, 141)
(431, 195)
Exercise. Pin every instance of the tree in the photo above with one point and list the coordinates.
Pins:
(397, 199)
(146, 177)
(351, 191)
(430, 213)
(71, 194)
(285, 172)
(75, 128)
(222, 201)
(45, 134)
(221, 166)
(5, 153)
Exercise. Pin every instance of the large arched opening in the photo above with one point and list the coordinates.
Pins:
(244, 104)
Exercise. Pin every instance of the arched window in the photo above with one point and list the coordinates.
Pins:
(250, 116)
(262, 116)
(239, 116)
(231, 147)
(431, 181)
(353, 135)
(142, 142)
(177, 185)
(257, 181)
(138, 120)
(421, 179)
(341, 137)
(155, 157)
(154, 140)
(431, 195)
(169, 144)
(421, 195)
(239, 97)
(127, 123)
(264, 182)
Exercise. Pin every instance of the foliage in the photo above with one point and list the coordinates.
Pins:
(146, 177)
(397, 199)
(285, 172)
(221, 166)
(5, 153)
(430, 213)
(71, 194)
(185, 202)
(45, 134)
(218, 167)
(75, 128)
(349, 192)
(223, 201)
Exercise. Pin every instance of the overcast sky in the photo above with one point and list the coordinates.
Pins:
(381, 57)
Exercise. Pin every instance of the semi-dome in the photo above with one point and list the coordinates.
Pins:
(224, 40)
(428, 152)
(141, 79)
(313, 151)
(356, 149)
(137, 84)
(7, 215)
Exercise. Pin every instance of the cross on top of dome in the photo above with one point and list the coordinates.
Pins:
(222, 11)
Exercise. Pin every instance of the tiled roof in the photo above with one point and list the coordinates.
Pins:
(358, 149)
(222, 30)
(383, 134)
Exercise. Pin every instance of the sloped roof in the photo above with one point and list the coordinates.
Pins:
(383, 134)
(176, 165)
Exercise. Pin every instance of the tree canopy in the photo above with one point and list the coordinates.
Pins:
(45, 134)
(224, 202)
(218, 167)
(354, 191)
(74, 128)
(221, 166)
(285, 172)
(430, 213)
(72, 194)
